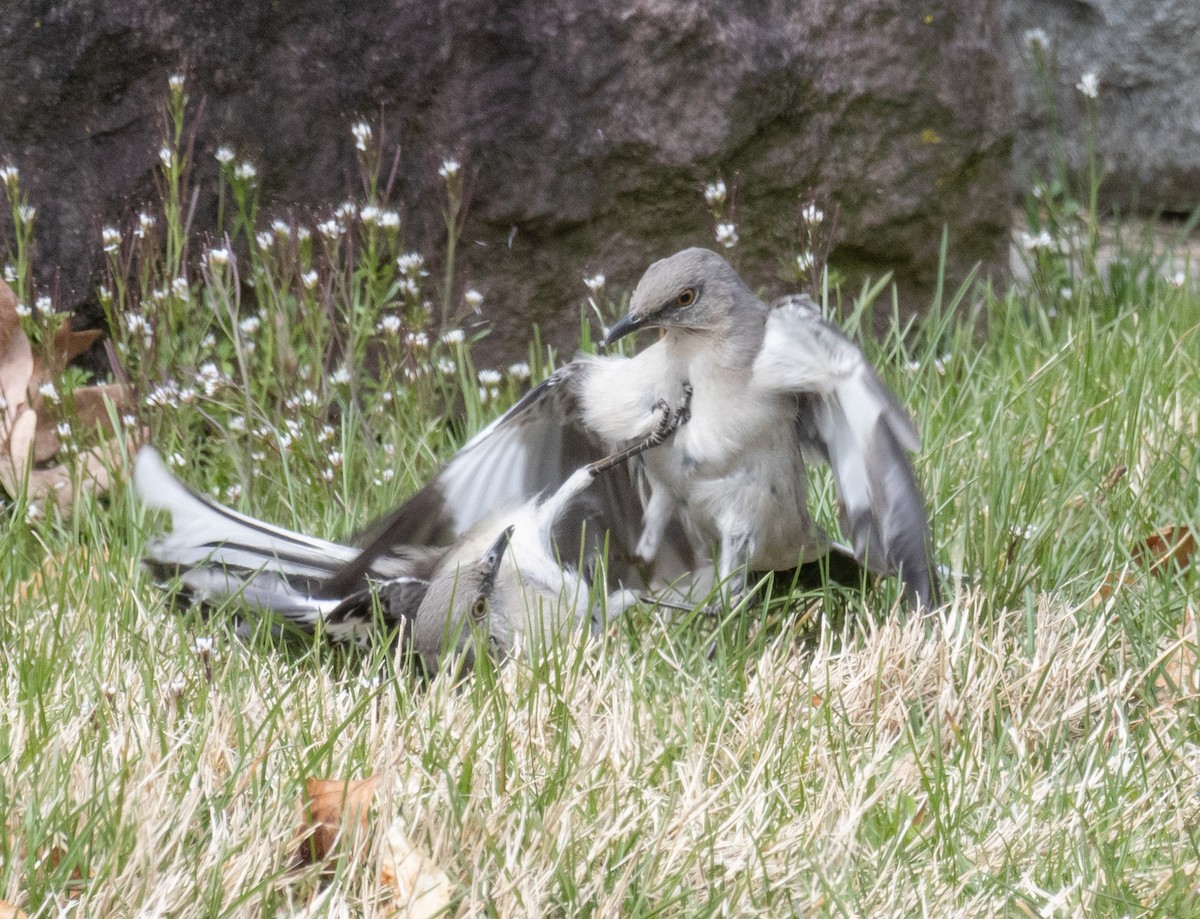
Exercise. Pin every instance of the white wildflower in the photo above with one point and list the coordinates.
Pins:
(303, 234)
(175, 82)
(417, 340)
(326, 433)
(281, 227)
(1178, 279)
(595, 283)
(63, 430)
(727, 235)
(446, 366)
(449, 169)
(203, 645)
(389, 220)
(362, 135)
(384, 476)
(327, 474)
(812, 215)
(369, 214)
(714, 193)
(309, 279)
(237, 424)
(23, 311)
(330, 229)
(187, 396)
(111, 237)
(137, 324)
(208, 341)
(49, 392)
(167, 156)
(26, 213)
(1036, 39)
(489, 377)
(486, 395)
(44, 304)
(346, 211)
(390, 325)
(335, 458)
(264, 238)
(409, 288)
(177, 460)
(340, 377)
(10, 274)
(246, 171)
(129, 421)
(804, 262)
(9, 175)
(519, 371)
(454, 336)
(410, 263)
(309, 398)
(210, 377)
(1089, 85)
(1041, 240)
(250, 325)
(216, 257)
(224, 155)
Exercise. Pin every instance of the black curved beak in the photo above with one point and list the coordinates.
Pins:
(490, 563)
(624, 326)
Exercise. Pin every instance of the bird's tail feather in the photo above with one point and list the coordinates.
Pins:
(219, 554)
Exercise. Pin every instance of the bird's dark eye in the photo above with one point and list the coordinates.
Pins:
(686, 297)
(479, 608)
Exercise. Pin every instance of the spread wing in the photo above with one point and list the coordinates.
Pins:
(530, 450)
(848, 418)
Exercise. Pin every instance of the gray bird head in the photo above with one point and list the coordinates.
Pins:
(459, 602)
(693, 289)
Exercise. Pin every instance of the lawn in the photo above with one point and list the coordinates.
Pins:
(1029, 749)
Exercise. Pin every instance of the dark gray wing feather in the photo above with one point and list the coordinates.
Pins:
(848, 418)
(530, 450)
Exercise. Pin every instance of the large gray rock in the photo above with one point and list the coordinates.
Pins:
(586, 130)
(1147, 58)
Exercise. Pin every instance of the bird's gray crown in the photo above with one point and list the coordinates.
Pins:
(692, 289)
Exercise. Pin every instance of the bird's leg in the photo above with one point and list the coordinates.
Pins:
(671, 421)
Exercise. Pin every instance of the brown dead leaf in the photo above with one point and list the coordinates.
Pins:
(420, 889)
(1172, 547)
(91, 405)
(1181, 665)
(331, 809)
(7, 910)
(16, 356)
(69, 344)
(91, 466)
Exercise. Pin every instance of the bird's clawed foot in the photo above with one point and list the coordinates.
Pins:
(671, 421)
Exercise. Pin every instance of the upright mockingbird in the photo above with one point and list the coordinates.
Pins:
(772, 388)
(501, 577)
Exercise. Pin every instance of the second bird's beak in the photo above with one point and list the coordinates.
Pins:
(490, 563)
(624, 326)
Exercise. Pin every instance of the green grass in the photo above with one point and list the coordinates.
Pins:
(1012, 754)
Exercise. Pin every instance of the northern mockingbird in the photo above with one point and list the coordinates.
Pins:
(773, 388)
(502, 577)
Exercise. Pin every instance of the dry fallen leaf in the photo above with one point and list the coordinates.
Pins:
(16, 356)
(8, 911)
(1171, 547)
(331, 809)
(420, 889)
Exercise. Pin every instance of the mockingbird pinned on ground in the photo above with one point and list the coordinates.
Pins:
(772, 389)
(502, 576)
